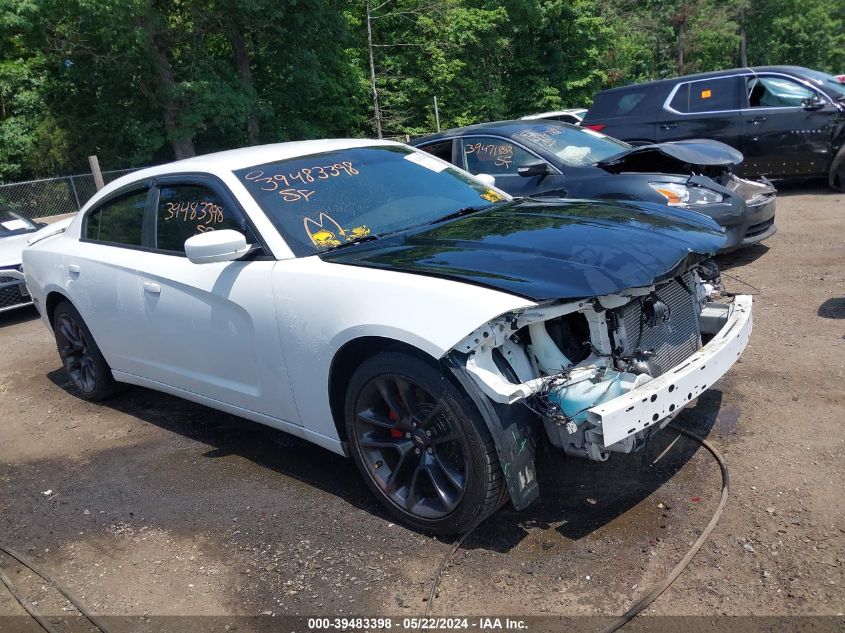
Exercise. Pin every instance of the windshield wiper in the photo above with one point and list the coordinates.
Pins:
(542, 197)
(357, 240)
(460, 213)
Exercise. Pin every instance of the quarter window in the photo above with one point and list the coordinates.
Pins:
(185, 210)
(709, 95)
(494, 156)
(776, 92)
(628, 102)
(119, 221)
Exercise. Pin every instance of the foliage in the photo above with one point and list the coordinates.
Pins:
(144, 81)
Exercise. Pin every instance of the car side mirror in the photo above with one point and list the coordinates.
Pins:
(812, 103)
(225, 245)
(487, 179)
(534, 168)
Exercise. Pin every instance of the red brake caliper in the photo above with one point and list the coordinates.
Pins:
(394, 432)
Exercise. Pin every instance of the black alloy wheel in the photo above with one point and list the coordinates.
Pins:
(82, 360)
(410, 439)
(74, 353)
(422, 446)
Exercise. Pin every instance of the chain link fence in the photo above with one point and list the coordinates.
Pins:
(53, 196)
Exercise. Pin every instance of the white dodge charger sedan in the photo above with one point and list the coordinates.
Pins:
(387, 306)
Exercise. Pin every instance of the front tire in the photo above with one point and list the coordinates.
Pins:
(83, 362)
(421, 445)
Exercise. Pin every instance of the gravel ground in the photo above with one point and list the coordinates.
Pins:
(149, 505)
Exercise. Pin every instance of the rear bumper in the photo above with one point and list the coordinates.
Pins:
(664, 396)
(13, 291)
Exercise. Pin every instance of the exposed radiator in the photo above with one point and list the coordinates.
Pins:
(672, 340)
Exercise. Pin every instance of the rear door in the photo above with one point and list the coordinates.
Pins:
(788, 127)
(101, 274)
(501, 157)
(210, 328)
(703, 108)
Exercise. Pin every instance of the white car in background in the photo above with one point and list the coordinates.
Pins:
(572, 115)
(16, 232)
(385, 305)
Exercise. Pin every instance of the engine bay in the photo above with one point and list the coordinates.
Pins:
(562, 360)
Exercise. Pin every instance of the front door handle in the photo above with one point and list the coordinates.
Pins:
(757, 120)
(669, 125)
(73, 269)
(152, 288)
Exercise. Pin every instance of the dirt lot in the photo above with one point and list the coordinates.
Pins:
(152, 505)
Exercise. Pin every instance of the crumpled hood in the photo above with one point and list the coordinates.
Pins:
(549, 250)
(697, 153)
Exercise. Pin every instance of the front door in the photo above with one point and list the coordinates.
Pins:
(500, 158)
(788, 127)
(211, 327)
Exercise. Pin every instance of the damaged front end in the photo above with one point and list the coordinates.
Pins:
(745, 208)
(603, 373)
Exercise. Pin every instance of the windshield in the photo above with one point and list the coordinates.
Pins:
(574, 146)
(13, 224)
(322, 201)
(827, 82)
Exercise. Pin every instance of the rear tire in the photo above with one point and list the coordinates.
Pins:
(421, 445)
(82, 360)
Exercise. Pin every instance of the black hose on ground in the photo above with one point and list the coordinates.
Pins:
(629, 615)
(61, 588)
(25, 603)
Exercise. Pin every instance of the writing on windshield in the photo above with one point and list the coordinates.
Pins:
(323, 201)
(574, 146)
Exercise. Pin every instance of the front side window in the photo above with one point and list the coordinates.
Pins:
(119, 221)
(776, 92)
(494, 156)
(323, 201)
(574, 146)
(185, 210)
(709, 95)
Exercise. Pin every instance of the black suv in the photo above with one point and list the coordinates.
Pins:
(788, 121)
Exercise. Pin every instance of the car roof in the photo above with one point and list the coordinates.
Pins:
(789, 70)
(502, 127)
(233, 159)
(541, 115)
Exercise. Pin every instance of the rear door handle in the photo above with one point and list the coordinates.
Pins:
(73, 269)
(152, 288)
(669, 125)
(757, 119)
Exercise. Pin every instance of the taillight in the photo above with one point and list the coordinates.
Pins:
(596, 127)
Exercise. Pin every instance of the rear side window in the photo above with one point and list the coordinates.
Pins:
(441, 150)
(185, 210)
(494, 156)
(119, 221)
(710, 95)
